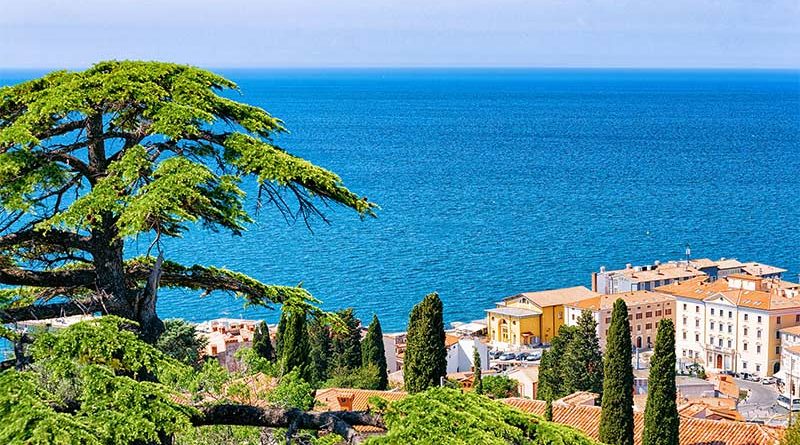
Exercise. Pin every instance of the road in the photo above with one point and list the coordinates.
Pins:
(761, 403)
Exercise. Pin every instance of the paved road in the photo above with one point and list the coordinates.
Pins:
(761, 403)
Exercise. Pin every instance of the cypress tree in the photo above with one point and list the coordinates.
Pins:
(661, 413)
(295, 349)
(262, 344)
(478, 377)
(551, 380)
(582, 363)
(548, 411)
(319, 337)
(279, 335)
(426, 358)
(616, 419)
(346, 342)
(373, 353)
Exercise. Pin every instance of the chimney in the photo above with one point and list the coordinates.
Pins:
(345, 400)
(628, 266)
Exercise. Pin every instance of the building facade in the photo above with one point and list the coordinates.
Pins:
(645, 310)
(532, 318)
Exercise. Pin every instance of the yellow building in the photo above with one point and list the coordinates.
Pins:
(531, 318)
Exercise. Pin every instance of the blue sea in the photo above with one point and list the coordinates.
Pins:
(494, 182)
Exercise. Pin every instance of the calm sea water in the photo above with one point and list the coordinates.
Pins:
(497, 182)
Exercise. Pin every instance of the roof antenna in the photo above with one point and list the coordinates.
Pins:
(688, 255)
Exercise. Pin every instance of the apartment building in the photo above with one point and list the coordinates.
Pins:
(645, 310)
(732, 323)
(790, 367)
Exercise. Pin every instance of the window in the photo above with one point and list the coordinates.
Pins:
(608, 320)
(572, 317)
(744, 346)
(711, 339)
(744, 365)
(684, 335)
(797, 318)
(779, 320)
(730, 328)
(729, 343)
(720, 327)
(778, 335)
(696, 337)
(720, 342)
(712, 325)
(648, 326)
(730, 314)
(648, 314)
(758, 368)
(668, 311)
(639, 316)
(630, 317)
(777, 349)
(658, 314)
(758, 349)
(638, 327)
(745, 317)
(758, 319)
(684, 321)
(712, 311)
(758, 333)
(745, 331)
(697, 323)
(697, 308)
(684, 308)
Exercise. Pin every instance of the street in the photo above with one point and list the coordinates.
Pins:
(761, 403)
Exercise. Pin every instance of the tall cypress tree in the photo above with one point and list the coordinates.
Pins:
(295, 348)
(279, 335)
(426, 358)
(661, 420)
(478, 375)
(262, 344)
(582, 363)
(616, 419)
(551, 380)
(373, 353)
(319, 337)
(346, 342)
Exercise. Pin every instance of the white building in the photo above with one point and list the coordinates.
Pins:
(731, 324)
(460, 353)
(790, 366)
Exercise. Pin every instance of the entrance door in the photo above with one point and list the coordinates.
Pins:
(719, 361)
(639, 342)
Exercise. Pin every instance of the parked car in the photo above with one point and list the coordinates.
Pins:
(521, 356)
(507, 356)
(495, 354)
(768, 380)
(730, 373)
(534, 356)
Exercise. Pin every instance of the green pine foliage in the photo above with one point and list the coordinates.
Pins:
(792, 436)
(582, 363)
(500, 387)
(661, 421)
(262, 343)
(319, 337)
(448, 416)
(363, 377)
(616, 420)
(295, 348)
(93, 383)
(346, 341)
(551, 377)
(373, 353)
(292, 392)
(477, 381)
(181, 342)
(425, 361)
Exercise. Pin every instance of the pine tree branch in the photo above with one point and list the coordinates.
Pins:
(339, 422)
(59, 278)
(59, 238)
(53, 310)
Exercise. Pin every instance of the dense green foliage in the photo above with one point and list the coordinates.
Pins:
(792, 436)
(477, 378)
(93, 383)
(442, 416)
(319, 337)
(295, 349)
(363, 377)
(551, 377)
(292, 392)
(181, 342)
(346, 341)
(262, 343)
(373, 353)
(425, 361)
(661, 420)
(500, 387)
(616, 419)
(582, 363)
(143, 150)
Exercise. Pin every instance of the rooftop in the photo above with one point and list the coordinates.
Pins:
(555, 297)
(657, 272)
(759, 269)
(514, 311)
(631, 298)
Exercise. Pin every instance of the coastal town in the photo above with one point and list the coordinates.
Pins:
(737, 345)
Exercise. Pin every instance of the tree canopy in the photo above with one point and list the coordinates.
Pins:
(136, 149)
(661, 421)
(426, 358)
(616, 419)
(373, 352)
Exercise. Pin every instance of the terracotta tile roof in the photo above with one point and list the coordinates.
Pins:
(696, 288)
(631, 298)
(794, 330)
(701, 289)
(450, 340)
(328, 398)
(692, 431)
(664, 271)
(556, 297)
(793, 349)
(761, 269)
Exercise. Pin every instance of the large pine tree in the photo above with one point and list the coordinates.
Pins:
(551, 379)
(582, 364)
(295, 348)
(425, 361)
(616, 419)
(346, 342)
(478, 375)
(661, 420)
(319, 336)
(373, 353)
(262, 344)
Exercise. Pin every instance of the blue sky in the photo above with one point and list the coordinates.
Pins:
(378, 33)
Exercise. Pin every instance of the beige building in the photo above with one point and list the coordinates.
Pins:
(645, 310)
(732, 324)
(531, 318)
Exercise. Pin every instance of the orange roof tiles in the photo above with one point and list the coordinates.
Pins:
(696, 288)
(555, 297)
(328, 398)
(701, 289)
(450, 340)
(692, 431)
